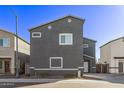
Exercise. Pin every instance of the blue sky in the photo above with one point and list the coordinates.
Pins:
(103, 23)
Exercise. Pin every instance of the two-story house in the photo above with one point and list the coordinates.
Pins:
(57, 47)
(8, 53)
(112, 55)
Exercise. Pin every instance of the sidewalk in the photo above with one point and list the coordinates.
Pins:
(13, 82)
(29, 80)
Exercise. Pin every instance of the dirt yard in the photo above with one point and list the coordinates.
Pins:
(78, 83)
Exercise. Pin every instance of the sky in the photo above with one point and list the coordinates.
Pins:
(102, 23)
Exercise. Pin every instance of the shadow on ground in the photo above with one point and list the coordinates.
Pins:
(113, 78)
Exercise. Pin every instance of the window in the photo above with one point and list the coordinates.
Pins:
(56, 62)
(0, 64)
(66, 39)
(1, 42)
(5, 42)
(85, 45)
(36, 34)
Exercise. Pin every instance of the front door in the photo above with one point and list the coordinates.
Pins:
(7, 66)
(86, 67)
(120, 67)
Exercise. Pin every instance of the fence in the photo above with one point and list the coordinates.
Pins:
(102, 68)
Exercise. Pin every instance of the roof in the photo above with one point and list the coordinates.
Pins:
(88, 56)
(90, 39)
(111, 41)
(14, 35)
(57, 20)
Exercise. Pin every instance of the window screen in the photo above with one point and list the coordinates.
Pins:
(56, 62)
(66, 39)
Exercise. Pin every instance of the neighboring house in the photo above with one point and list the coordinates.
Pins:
(8, 51)
(112, 53)
(89, 55)
(57, 47)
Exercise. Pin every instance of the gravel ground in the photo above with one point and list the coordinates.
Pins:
(78, 83)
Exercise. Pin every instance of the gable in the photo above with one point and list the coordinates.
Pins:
(67, 18)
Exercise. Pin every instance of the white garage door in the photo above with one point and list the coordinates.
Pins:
(85, 66)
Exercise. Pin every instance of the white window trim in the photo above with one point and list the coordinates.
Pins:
(36, 33)
(50, 64)
(65, 43)
(87, 45)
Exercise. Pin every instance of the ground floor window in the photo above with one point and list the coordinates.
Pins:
(56, 62)
(0, 64)
(121, 66)
(5, 65)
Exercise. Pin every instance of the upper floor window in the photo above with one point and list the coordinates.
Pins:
(5, 42)
(65, 39)
(85, 45)
(36, 34)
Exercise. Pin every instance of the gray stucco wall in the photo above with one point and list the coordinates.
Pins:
(90, 51)
(48, 45)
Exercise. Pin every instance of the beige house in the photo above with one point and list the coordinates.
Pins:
(8, 50)
(112, 53)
